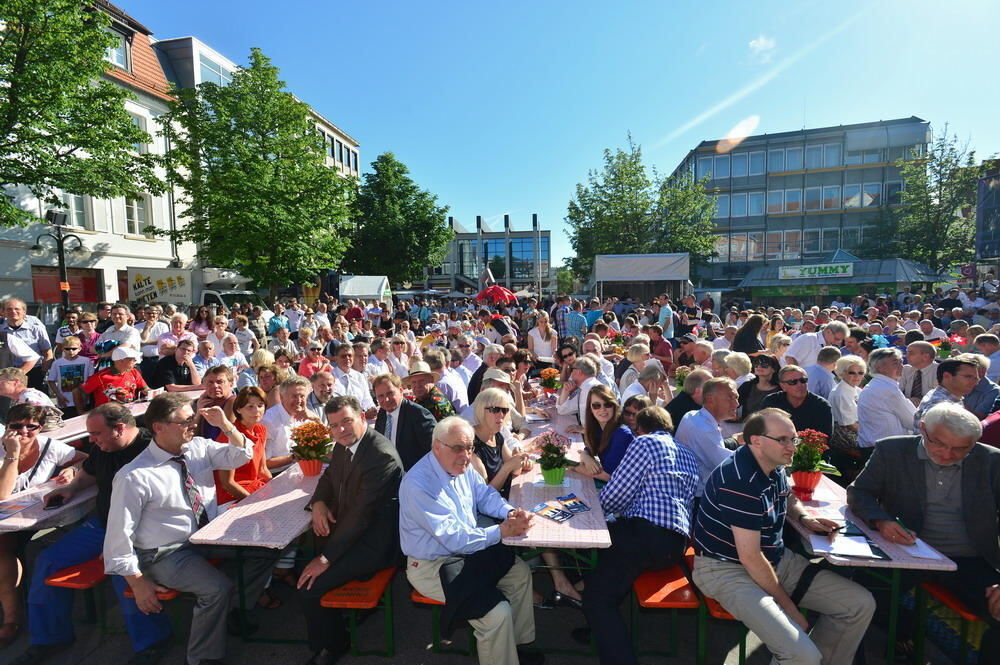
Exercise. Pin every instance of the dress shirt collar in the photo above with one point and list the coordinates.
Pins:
(353, 448)
(882, 378)
(339, 373)
(161, 456)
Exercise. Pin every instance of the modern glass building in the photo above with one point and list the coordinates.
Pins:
(988, 218)
(796, 197)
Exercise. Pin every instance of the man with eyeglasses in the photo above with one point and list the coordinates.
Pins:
(807, 410)
(452, 559)
(741, 560)
(349, 381)
(919, 375)
(700, 431)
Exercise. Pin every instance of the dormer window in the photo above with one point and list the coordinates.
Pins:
(117, 53)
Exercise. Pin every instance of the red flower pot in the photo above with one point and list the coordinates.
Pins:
(804, 482)
(311, 467)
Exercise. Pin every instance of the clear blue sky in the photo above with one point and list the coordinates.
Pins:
(503, 107)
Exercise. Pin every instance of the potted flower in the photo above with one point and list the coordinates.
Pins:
(808, 465)
(550, 380)
(553, 448)
(680, 374)
(312, 446)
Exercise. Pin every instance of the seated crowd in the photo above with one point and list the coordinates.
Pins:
(688, 420)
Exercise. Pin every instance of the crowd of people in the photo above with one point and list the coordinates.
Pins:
(688, 413)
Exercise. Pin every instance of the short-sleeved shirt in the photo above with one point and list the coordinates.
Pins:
(103, 466)
(168, 372)
(52, 455)
(740, 494)
(70, 374)
(106, 386)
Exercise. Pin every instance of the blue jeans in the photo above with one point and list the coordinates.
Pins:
(50, 609)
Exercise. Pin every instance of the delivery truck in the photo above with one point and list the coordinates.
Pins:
(213, 287)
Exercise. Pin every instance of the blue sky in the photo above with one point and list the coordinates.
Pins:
(503, 107)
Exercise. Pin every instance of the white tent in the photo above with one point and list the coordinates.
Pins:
(641, 267)
(366, 287)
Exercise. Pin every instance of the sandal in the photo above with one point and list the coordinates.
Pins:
(9, 633)
(267, 601)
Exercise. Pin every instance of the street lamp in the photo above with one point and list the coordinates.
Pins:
(80, 252)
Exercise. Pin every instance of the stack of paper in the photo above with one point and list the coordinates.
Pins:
(841, 545)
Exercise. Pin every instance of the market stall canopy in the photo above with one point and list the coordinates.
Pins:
(835, 270)
(641, 267)
(368, 287)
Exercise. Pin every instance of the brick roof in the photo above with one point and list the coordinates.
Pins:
(146, 73)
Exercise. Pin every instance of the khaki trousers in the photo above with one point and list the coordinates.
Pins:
(498, 633)
(845, 609)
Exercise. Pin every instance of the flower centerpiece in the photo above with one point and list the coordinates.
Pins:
(312, 445)
(680, 374)
(550, 379)
(808, 465)
(553, 448)
(944, 346)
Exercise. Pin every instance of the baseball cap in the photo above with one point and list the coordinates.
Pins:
(123, 352)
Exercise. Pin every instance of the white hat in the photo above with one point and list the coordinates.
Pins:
(420, 368)
(123, 352)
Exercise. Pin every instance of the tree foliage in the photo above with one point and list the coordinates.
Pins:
(564, 280)
(63, 127)
(259, 196)
(399, 228)
(623, 210)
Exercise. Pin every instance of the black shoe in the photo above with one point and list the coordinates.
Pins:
(567, 601)
(233, 625)
(530, 657)
(153, 653)
(581, 635)
(36, 653)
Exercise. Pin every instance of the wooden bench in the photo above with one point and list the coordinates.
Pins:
(436, 641)
(375, 592)
(84, 576)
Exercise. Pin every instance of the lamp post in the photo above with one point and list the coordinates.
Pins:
(58, 219)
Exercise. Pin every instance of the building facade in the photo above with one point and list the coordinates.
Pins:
(796, 197)
(988, 219)
(518, 260)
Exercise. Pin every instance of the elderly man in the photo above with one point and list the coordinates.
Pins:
(806, 346)
(491, 354)
(470, 361)
(177, 372)
(930, 331)
(956, 379)
(355, 508)
(689, 398)
(652, 492)
(290, 412)
(701, 354)
(573, 396)
(27, 341)
(422, 380)
(178, 331)
(806, 409)
(404, 422)
(821, 377)
(945, 488)
(322, 391)
(349, 381)
(882, 409)
(726, 340)
(989, 345)
(986, 393)
(116, 441)
(452, 559)
(377, 363)
(919, 375)
(700, 432)
(741, 560)
(158, 501)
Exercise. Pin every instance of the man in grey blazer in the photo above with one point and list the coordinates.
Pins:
(944, 487)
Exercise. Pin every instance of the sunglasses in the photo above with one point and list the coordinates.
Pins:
(71, 348)
(804, 380)
(602, 405)
(498, 409)
(856, 373)
(567, 356)
(31, 427)
(461, 346)
(396, 343)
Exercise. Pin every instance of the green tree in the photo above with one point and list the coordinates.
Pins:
(399, 228)
(564, 280)
(937, 227)
(63, 127)
(683, 219)
(259, 196)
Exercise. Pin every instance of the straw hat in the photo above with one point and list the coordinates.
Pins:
(420, 368)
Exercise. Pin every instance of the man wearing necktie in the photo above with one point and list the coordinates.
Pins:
(355, 510)
(404, 422)
(158, 501)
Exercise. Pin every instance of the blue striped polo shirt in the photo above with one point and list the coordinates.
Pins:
(738, 493)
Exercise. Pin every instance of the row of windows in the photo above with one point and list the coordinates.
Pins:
(339, 151)
(787, 245)
(825, 155)
(830, 197)
(213, 72)
(522, 257)
(137, 214)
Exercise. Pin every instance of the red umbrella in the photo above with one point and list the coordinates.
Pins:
(496, 294)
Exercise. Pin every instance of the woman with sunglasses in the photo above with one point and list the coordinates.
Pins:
(88, 336)
(605, 436)
(765, 382)
(29, 460)
(844, 404)
(398, 360)
(314, 361)
(494, 459)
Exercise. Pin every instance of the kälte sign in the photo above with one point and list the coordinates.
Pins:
(816, 271)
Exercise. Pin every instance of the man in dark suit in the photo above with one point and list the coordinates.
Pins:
(405, 423)
(944, 487)
(355, 508)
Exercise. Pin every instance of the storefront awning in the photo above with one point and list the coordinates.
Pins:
(888, 271)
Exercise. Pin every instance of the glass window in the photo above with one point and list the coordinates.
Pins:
(340, 152)
(793, 244)
(775, 202)
(136, 216)
(831, 239)
(333, 148)
(773, 249)
(721, 249)
(522, 257)
(810, 241)
(850, 237)
(832, 154)
(722, 205)
(704, 167)
(738, 247)
(354, 160)
(831, 197)
(721, 167)
(872, 156)
(738, 205)
(853, 157)
(814, 156)
(117, 53)
(893, 193)
(76, 210)
(755, 203)
(813, 198)
(793, 159)
(140, 123)
(757, 162)
(494, 251)
(755, 246)
(213, 72)
(775, 160)
(852, 196)
(793, 200)
(872, 195)
(740, 164)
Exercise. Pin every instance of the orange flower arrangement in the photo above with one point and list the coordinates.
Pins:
(312, 441)
(550, 378)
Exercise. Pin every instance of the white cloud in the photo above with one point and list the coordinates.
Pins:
(762, 48)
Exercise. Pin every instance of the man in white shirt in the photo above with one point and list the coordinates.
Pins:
(377, 364)
(349, 381)
(930, 331)
(290, 412)
(989, 345)
(322, 391)
(158, 501)
(467, 347)
(120, 331)
(920, 373)
(451, 384)
(882, 409)
(699, 431)
(150, 331)
(726, 340)
(804, 348)
(573, 397)
(294, 313)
